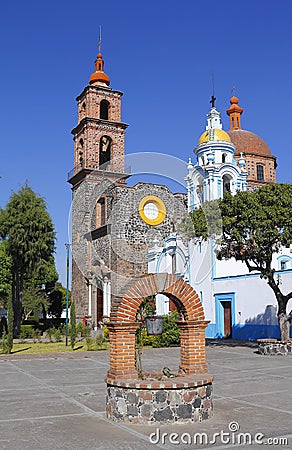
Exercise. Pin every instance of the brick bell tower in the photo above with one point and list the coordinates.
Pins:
(98, 168)
(99, 135)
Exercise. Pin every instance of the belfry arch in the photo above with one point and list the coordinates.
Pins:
(123, 325)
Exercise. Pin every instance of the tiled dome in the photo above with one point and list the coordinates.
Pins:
(248, 142)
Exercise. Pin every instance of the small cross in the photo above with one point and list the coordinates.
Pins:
(212, 101)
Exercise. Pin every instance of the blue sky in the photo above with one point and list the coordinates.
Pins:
(161, 54)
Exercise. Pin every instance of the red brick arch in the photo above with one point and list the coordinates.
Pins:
(123, 325)
(179, 291)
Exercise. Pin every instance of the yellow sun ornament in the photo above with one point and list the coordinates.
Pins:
(152, 210)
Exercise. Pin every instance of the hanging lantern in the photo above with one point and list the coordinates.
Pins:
(154, 325)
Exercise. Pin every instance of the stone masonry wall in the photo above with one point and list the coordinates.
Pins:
(180, 402)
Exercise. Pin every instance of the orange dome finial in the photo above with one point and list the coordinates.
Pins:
(98, 76)
(234, 112)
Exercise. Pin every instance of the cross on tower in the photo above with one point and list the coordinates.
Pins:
(212, 101)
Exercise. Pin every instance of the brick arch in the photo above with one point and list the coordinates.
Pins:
(123, 325)
(179, 291)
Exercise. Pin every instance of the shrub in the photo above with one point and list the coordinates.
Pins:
(105, 333)
(89, 343)
(73, 332)
(144, 339)
(50, 332)
(27, 332)
(170, 333)
(57, 335)
(84, 330)
(4, 344)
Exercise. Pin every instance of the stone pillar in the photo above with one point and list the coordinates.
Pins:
(122, 351)
(192, 347)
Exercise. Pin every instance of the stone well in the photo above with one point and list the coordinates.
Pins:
(185, 398)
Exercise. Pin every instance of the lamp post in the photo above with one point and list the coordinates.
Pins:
(67, 289)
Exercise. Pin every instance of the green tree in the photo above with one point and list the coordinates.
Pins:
(255, 226)
(10, 321)
(57, 300)
(42, 282)
(5, 274)
(6, 343)
(28, 229)
(34, 301)
(73, 332)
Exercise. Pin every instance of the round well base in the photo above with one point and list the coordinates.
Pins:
(177, 400)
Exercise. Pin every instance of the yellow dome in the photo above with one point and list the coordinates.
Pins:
(215, 134)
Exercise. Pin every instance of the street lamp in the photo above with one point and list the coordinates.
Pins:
(67, 290)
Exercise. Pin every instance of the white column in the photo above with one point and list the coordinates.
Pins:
(89, 298)
(109, 289)
(106, 298)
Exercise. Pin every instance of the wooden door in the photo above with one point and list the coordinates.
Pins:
(227, 319)
(99, 305)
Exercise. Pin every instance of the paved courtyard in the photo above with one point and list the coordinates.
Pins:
(58, 402)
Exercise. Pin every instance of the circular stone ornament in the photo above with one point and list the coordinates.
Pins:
(152, 210)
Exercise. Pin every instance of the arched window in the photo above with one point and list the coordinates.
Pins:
(100, 217)
(284, 262)
(105, 146)
(224, 158)
(260, 172)
(226, 183)
(104, 109)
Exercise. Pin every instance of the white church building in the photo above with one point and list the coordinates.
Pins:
(237, 303)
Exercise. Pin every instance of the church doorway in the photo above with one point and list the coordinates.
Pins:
(227, 319)
(99, 305)
(225, 314)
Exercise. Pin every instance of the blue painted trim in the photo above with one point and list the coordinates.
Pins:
(159, 260)
(249, 275)
(219, 310)
(248, 332)
(189, 263)
(286, 259)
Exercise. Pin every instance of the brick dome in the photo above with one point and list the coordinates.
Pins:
(248, 143)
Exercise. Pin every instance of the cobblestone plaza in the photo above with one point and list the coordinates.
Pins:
(58, 401)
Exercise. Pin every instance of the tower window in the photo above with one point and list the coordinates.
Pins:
(104, 109)
(260, 172)
(224, 158)
(105, 146)
(100, 212)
